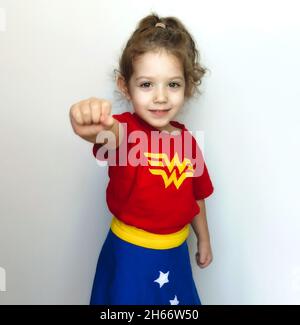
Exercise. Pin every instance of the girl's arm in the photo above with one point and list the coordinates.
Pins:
(200, 227)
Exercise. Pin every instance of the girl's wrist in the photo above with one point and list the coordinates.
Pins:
(203, 240)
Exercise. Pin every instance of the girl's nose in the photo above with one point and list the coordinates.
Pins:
(160, 95)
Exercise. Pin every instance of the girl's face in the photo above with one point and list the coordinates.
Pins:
(156, 88)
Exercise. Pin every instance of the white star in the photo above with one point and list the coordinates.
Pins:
(162, 279)
(174, 301)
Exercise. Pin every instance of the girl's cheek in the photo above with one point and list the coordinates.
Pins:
(144, 96)
(141, 100)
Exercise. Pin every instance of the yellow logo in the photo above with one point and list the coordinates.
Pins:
(161, 160)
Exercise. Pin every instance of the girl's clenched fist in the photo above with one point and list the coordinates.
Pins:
(90, 116)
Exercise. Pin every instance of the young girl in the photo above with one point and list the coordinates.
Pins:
(156, 186)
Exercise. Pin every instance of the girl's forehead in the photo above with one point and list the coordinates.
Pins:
(153, 62)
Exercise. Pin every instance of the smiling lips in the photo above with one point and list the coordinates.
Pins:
(159, 112)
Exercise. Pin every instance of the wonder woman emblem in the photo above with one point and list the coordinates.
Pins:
(185, 168)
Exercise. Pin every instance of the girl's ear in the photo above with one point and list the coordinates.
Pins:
(121, 83)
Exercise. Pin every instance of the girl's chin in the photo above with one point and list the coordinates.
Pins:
(159, 122)
(161, 126)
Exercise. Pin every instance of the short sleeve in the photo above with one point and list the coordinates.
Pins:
(96, 147)
(202, 184)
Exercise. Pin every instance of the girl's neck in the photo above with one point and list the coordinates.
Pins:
(169, 128)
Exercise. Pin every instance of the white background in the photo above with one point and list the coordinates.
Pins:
(53, 214)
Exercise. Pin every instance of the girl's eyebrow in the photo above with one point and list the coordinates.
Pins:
(145, 77)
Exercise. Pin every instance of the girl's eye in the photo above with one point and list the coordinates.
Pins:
(145, 85)
(171, 84)
(174, 85)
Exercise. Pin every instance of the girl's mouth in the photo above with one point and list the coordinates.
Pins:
(159, 112)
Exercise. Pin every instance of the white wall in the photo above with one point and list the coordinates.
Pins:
(53, 214)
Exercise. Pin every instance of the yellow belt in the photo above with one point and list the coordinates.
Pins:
(147, 239)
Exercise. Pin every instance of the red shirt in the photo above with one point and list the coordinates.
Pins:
(155, 188)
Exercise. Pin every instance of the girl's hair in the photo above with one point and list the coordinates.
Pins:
(175, 39)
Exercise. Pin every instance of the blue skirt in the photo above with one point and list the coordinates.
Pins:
(128, 274)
